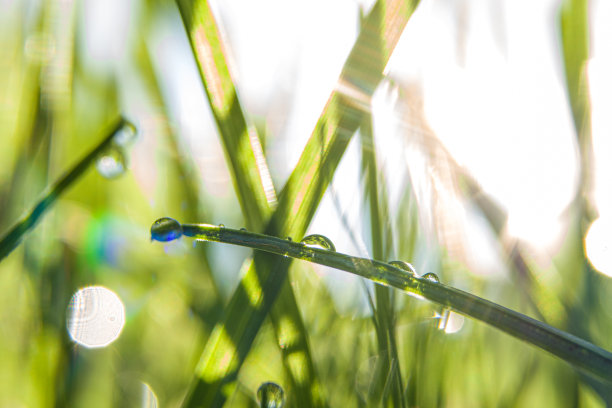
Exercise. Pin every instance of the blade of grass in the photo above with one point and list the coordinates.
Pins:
(13, 237)
(585, 356)
(231, 341)
(384, 312)
(240, 141)
(574, 22)
(236, 131)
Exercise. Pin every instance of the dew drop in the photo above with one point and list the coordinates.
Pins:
(431, 277)
(405, 266)
(320, 241)
(166, 229)
(243, 229)
(221, 226)
(112, 163)
(270, 395)
(126, 135)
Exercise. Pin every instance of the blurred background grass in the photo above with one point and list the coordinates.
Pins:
(477, 165)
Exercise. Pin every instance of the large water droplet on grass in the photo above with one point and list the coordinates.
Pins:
(166, 229)
(270, 395)
(405, 266)
(431, 277)
(320, 241)
(112, 163)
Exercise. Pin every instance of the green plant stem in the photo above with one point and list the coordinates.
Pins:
(580, 353)
(11, 239)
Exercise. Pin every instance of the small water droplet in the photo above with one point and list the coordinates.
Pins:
(243, 229)
(126, 135)
(289, 239)
(112, 163)
(166, 229)
(431, 277)
(270, 395)
(405, 266)
(221, 225)
(317, 240)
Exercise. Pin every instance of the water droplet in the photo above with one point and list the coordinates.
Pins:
(270, 395)
(289, 239)
(243, 229)
(221, 225)
(112, 163)
(317, 240)
(166, 229)
(405, 266)
(126, 135)
(431, 277)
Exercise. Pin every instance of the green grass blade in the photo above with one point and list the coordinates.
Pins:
(241, 144)
(384, 312)
(11, 239)
(583, 355)
(230, 341)
(235, 131)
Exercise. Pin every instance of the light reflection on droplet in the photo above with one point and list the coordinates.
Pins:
(450, 322)
(149, 399)
(270, 395)
(95, 317)
(112, 163)
(443, 319)
(126, 135)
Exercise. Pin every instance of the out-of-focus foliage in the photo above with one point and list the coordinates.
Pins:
(60, 84)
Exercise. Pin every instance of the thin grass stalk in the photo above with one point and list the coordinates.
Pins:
(11, 239)
(583, 355)
(384, 313)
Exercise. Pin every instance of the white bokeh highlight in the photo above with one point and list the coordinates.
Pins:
(95, 317)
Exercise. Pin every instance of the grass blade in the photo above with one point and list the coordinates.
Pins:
(241, 144)
(230, 341)
(583, 355)
(384, 312)
(248, 160)
(12, 238)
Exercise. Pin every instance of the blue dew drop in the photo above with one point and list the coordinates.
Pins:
(112, 163)
(431, 277)
(166, 229)
(319, 241)
(271, 395)
(405, 266)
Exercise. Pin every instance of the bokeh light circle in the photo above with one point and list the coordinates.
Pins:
(95, 317)
(597, 244)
